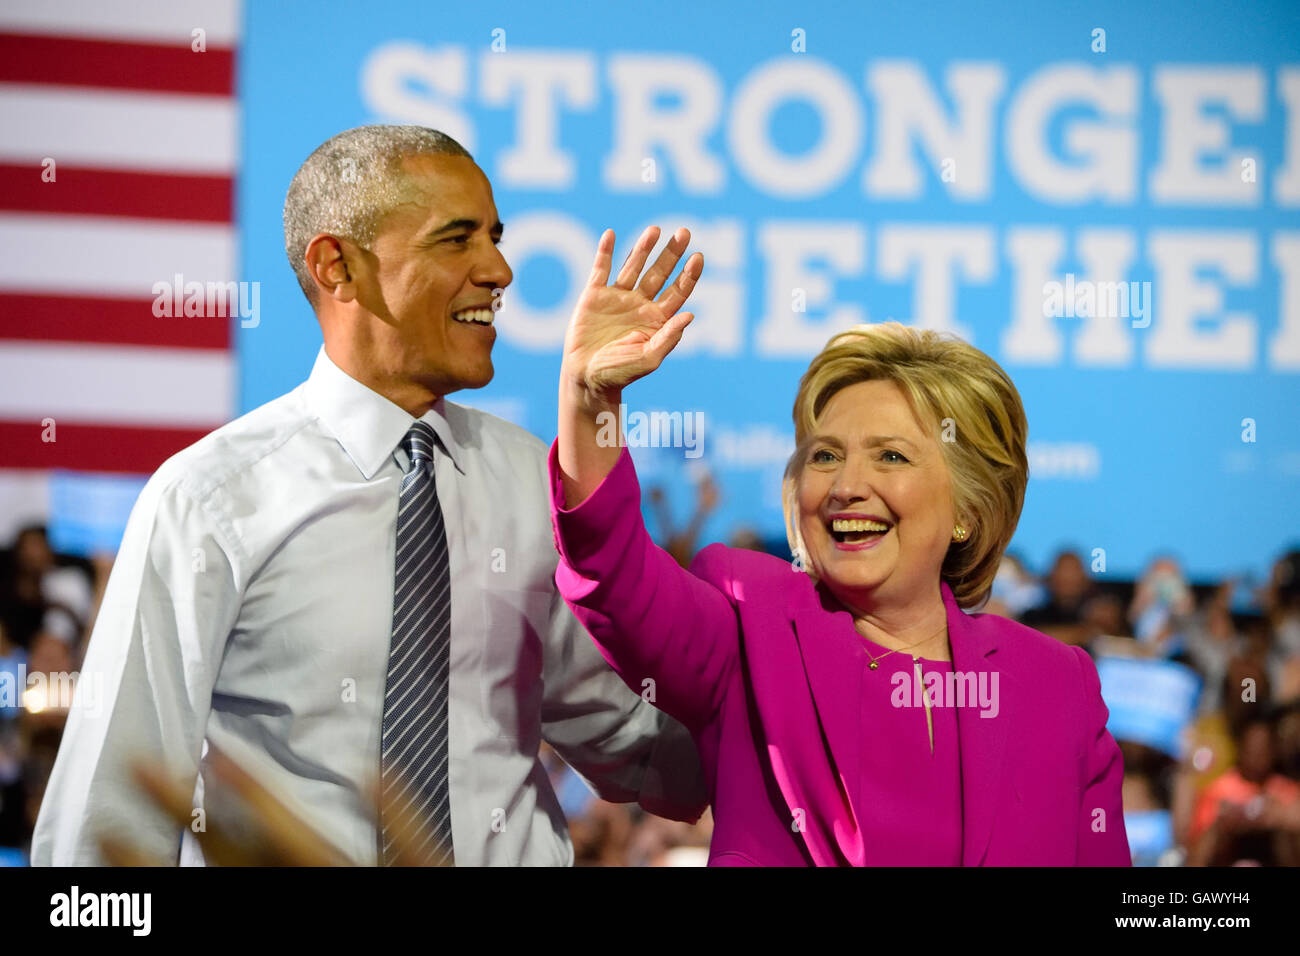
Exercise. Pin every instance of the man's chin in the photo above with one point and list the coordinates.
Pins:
(477, 379)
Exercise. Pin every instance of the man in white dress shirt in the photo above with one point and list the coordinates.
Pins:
(252, 600)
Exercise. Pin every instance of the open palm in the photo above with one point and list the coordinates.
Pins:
(621, 332)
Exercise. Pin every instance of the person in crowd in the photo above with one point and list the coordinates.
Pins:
(1281, 606)
(1235, 817)
(1147, 821)
(1281, 602)
(1162, 605)
(1069, 589)
(682, 543)
(1210, 640)
(1015, 590)
(45, 602)
(1248, 680)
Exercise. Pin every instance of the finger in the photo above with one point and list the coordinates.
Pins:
(119, 853)
(677, 293)
(663, 267)
(289, 840)
(637, 257)
(175, 801)
(604, 259)
(298, 843)
(398, 825)
(169, 796)
(411, 845)
(666, 339)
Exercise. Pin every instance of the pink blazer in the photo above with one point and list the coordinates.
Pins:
(730, 648)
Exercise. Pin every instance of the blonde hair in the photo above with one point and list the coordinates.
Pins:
(952, 387)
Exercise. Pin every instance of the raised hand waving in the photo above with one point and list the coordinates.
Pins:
(622, 332)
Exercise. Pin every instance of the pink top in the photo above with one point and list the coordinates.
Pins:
(915, 796)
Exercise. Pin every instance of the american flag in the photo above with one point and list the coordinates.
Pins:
(117, 172)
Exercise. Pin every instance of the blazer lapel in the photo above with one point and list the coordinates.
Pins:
(982, 739)
(836, 694)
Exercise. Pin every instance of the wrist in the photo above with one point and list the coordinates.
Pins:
(588, 400)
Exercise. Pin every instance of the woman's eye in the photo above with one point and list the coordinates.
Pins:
(817, 455)
(889, 451)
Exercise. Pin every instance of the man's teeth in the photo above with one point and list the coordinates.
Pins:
(857, 524)
(482, 316)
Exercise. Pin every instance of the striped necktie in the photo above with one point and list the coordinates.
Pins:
(415, 807)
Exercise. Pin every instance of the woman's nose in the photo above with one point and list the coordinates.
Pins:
(851, 484)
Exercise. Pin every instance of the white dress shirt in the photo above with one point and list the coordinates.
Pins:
(252, 601)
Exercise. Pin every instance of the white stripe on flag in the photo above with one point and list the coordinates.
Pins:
(169, 132)
(116, 384)
(157, 21)
(113, 257)
(24, 500)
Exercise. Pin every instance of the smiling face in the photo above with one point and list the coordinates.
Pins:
(430, 262)
(872, 464)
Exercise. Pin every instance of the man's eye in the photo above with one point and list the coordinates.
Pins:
(459, 239)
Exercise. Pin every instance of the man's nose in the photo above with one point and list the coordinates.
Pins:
(493, 271)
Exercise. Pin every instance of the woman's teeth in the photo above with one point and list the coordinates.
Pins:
(857, 524)
(481, 316)
(855, 530)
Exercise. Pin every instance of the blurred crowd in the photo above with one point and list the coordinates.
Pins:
(1224, 790)
(47, 608)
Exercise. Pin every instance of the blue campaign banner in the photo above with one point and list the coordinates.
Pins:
(1102, 196)
(1151, 702)
(89, 511)
(1150, 836)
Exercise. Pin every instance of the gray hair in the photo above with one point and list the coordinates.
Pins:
(350, 183)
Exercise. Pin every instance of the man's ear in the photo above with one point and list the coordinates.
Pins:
(331, 262)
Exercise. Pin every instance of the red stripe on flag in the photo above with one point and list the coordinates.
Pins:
(114, 64)
(104, 192)
(81, 446)
(63, 318)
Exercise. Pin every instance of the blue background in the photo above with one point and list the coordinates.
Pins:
(1175, 474)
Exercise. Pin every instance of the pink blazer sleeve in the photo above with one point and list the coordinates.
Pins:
(671, 635)
(1103, 840)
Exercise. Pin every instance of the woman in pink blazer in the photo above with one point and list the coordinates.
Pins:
(847, 708)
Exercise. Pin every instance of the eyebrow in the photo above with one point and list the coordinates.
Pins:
(469, 225)
(870, 442)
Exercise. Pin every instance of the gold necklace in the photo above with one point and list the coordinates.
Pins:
(875, 660)
(916, 668)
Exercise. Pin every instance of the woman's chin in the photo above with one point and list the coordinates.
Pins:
(844, 577)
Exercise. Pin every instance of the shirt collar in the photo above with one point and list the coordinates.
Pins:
(367, 425)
